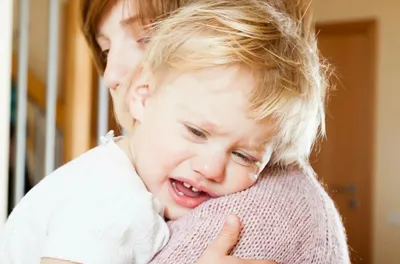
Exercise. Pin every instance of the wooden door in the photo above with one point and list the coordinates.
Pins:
(345, 161)
(78, 86)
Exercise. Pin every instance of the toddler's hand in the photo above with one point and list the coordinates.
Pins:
(218, 250)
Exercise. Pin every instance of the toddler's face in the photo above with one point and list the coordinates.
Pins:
(194, 139)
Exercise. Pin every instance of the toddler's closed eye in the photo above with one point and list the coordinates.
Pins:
(196, 132)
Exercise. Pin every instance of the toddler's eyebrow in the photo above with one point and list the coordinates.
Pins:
(203, 122)
(260, 146)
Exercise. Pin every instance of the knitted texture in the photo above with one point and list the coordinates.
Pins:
(287, 217)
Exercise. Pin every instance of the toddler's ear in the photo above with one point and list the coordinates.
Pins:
(138, 93)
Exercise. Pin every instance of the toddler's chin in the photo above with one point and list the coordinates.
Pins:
(175, 212)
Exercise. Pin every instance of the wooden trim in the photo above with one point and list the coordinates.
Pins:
(372, 32)
(78, 87)
(37, 92)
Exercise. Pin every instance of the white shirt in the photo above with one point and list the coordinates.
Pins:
(93, 210)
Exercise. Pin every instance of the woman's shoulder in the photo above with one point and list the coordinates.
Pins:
(289, 191)
(293, 188)
(295, 198)
(297, 204)
(286, 216)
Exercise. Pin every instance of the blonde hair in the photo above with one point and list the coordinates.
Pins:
(274, 40)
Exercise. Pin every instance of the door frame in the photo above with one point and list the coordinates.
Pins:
(6, 20)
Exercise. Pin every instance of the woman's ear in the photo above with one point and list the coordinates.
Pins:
(138, 93)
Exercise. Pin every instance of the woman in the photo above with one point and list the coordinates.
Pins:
(115, 34)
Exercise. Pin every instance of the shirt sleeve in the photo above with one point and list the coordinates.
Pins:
(121, 228)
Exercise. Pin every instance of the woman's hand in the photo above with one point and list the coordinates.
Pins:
(218, 250)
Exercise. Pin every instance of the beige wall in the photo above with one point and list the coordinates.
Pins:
(387, 180)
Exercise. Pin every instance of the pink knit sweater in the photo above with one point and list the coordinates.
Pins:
(287, 217)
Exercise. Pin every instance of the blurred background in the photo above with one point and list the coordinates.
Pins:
(54, 107)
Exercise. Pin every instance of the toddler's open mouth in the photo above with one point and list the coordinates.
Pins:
(186, 195)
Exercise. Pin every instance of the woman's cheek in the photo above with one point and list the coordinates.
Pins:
(133, 53)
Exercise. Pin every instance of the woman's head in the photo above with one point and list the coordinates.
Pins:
(221, 84)
(114, 30)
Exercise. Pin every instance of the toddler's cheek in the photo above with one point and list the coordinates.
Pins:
(239, 185)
